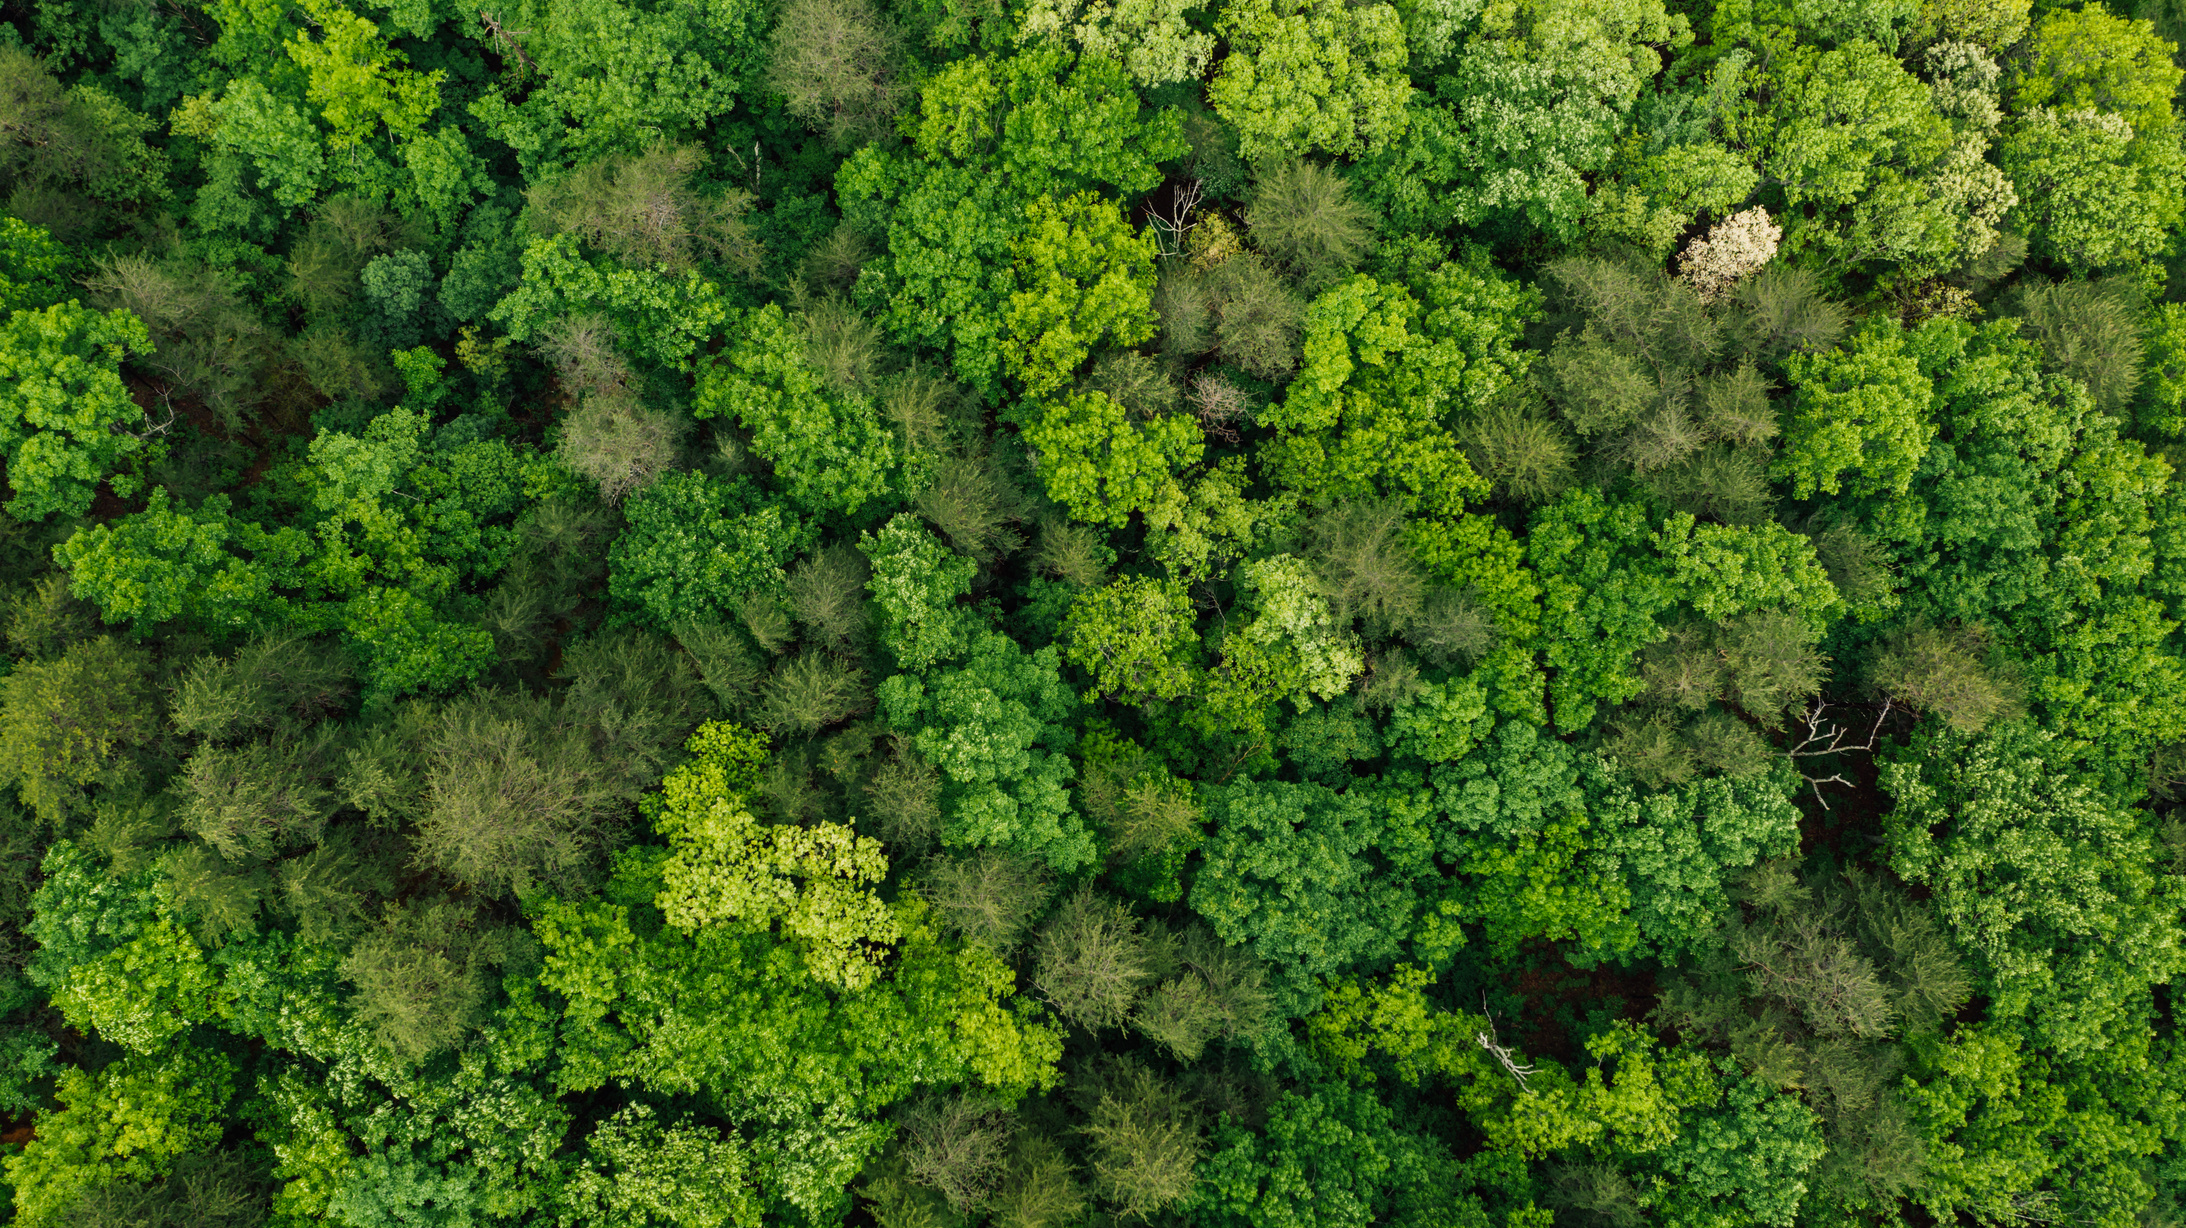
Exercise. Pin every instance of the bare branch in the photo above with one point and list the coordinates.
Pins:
(1827, 738)
(507, 37)
(1500, 1053)
(1172, 227)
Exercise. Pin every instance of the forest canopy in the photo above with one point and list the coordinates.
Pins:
(1092, 613)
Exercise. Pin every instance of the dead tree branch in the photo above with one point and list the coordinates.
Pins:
(1486, 1040)
(1824, 737)
(507, 37)
(1174, 225)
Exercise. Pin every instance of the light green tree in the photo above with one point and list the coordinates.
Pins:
(140, 995)
(1307, 76)
(63, 407)
(916, 582)
(357, 81)
(2086, 57)
(1102, 464)
(1539, 96)
(725, 866)
(1866, 164)
(1083, 278)
(828, 446)
(2093, 193)
(128, 1122)
(1862, 409)
(1151, 38)
(611, 77)
(637, 1173)
(1135, 638)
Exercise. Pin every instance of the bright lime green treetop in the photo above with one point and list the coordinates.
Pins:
(726, 866)
(1084, 277)
(1102, 464)
(1862, 409)
(63, 407)
(1311, 75)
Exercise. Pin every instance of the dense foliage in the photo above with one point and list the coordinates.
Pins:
(1078, 613)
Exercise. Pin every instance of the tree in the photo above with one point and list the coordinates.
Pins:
(129, 1122)
(1328, 1156)
(724, 866)
(2093, 192)
(697, 545)
(1083, 278)
(994, 726)
(664, 319)
(63, 414)
(1853, 137)
(142, 994)
(202, 564)
(2044, 879)
(67, 139)
(1307, 75)
(1145, 1142)
(644, 210)
(1092, 960)
(1739, 1158)
(838, 66)
(421, 976)
(617, 78)
(1135, 638)
(517, 798)
(1312, 881)
(354, 78)
(221, 1189)
(2088, 58)
(827, 445)
(1532, 831)
(271, 682)
(1862, 407)
(916, 582)
(735, 1016)
(1151, 38)
(1103, 465)
(1599, 602)
(1383, 369)
(1293, 616)
(32, 267)
(1538, 97)
(621, 446)
(74, 722)
(1941, 670)
(638, 1172)
(1985, 537)
(2004, 1126)
(989, 896)
(1302, 217)
(2089, 331)
(1048, 123)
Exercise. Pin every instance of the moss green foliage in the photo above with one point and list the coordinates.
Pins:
(1084, 613)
